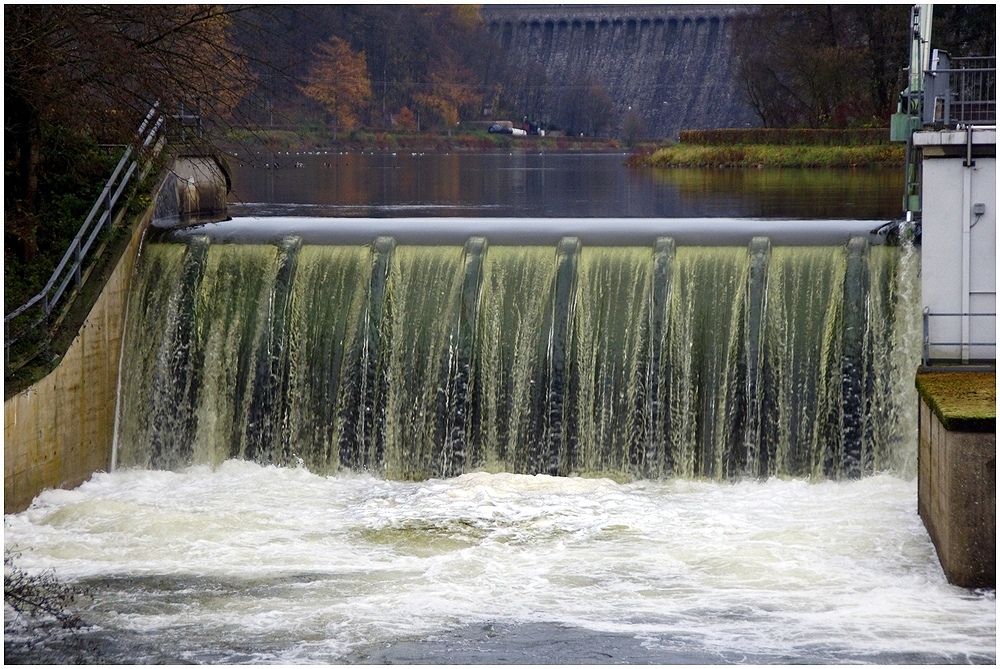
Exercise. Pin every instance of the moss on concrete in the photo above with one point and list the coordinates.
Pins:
(962, 401)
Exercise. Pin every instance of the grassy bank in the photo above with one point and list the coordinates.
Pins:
(759, 155)
(769, 147)
(311, 140)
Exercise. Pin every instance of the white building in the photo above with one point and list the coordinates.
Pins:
(958, 251)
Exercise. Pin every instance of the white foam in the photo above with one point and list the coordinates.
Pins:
(313, 567)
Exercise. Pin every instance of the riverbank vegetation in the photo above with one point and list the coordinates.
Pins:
(770, 147)
(459, 140)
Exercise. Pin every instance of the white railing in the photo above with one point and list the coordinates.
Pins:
(981, 348)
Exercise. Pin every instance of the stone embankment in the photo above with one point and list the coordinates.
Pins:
(671, 64)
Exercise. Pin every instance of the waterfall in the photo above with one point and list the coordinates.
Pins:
(415, 361)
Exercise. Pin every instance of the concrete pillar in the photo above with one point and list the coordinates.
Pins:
(957, 489)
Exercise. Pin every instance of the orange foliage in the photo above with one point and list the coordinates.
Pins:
(406, 120)
(338, 79)
(451, 87)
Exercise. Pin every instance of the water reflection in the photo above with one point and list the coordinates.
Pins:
(505, 184)
(812, 193)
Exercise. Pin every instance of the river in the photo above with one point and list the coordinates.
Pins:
(503, 184)
(238, 562)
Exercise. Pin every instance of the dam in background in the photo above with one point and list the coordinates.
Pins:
(670, 64)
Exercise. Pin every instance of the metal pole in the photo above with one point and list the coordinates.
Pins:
(927, 335)
(921, 17)
(966, 248)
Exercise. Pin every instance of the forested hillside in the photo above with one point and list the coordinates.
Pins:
(376, 66)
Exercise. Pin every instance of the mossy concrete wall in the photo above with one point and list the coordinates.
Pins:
(957, 498)
(60, 431)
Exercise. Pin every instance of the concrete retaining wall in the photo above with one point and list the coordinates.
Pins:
(60, 431)
(669, 64)
(957, 499)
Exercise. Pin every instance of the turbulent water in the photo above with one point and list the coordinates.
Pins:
(247, 563)
(421, 361)
(341, 454)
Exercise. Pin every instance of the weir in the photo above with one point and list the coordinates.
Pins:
(418, 361)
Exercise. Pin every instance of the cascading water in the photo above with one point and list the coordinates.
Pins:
(417, 361)
(657, 362)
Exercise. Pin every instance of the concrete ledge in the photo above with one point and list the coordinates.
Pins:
(927, 138)
(957, 496)
(962, 400)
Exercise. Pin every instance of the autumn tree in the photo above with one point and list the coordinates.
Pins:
(338, 80)
(450, 88)
(406, 120)
(419, 56)
(97, 70)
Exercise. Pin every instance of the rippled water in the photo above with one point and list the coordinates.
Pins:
(259, 564)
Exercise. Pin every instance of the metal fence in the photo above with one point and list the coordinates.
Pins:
(28, 324)
(960, 91)
(968, 349)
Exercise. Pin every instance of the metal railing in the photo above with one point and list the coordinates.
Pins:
(964, 347)
(184, 120)
(960, 91)
(38, 310)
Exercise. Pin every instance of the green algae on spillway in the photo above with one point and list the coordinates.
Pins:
(962, 401)
(419, 361)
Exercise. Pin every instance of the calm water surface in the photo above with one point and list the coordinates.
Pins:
(504, 184)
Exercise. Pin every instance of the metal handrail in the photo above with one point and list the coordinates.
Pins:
(960, 91)
(70, 267)
(927, 343)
